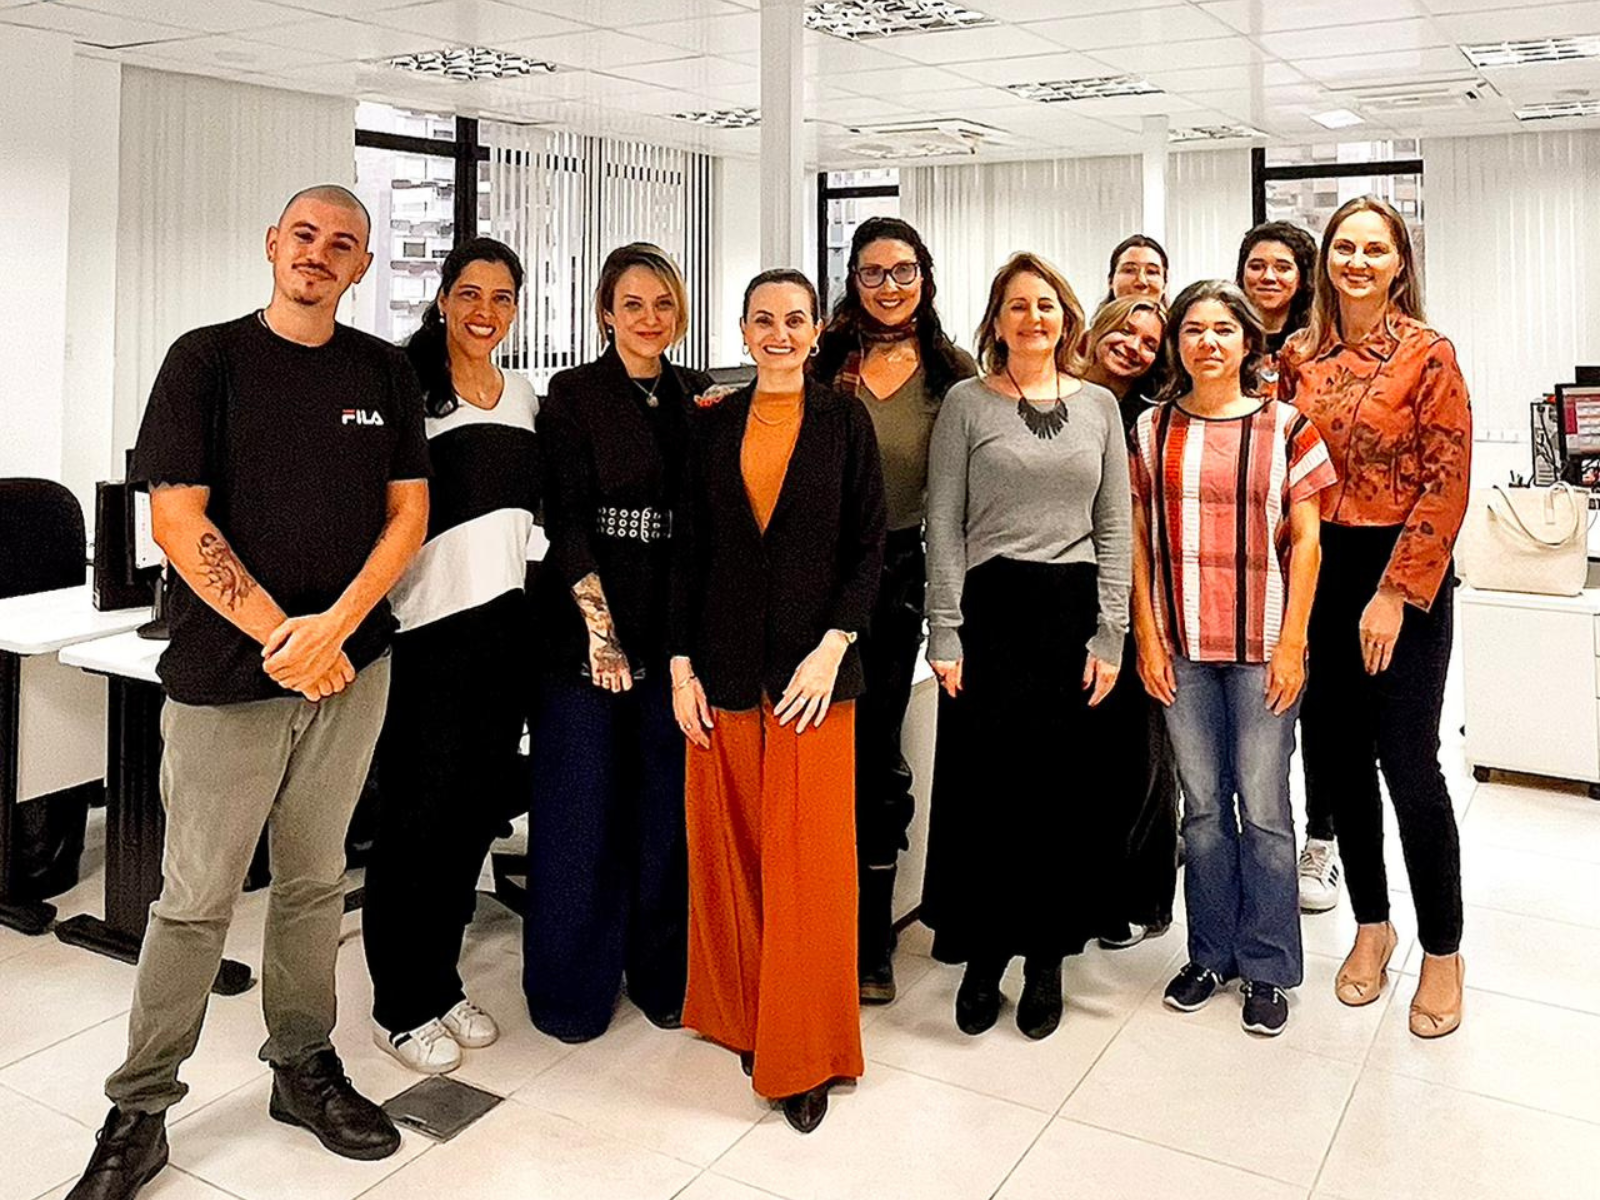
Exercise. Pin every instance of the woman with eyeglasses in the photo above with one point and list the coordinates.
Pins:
(607, 866)
(1138, 268)
(886, 346)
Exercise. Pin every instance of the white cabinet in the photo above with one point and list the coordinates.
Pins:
(1532, 675)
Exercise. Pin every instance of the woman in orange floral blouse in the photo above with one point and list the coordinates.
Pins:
(1387, 396)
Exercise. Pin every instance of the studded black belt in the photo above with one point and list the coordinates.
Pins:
(640, 524)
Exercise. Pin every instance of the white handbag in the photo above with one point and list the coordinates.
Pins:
(1521, 539)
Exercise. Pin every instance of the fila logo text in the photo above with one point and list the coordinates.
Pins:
(357, 416)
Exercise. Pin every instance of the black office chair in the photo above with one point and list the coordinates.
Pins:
(42, 541)
(43, 547)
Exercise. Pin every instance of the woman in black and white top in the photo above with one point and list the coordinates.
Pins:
(447, 756)
(608, 891)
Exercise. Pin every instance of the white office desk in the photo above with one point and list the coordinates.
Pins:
(1531, 667)
(52, 718)
(122, 655)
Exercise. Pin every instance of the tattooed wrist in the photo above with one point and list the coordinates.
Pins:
(224, 573)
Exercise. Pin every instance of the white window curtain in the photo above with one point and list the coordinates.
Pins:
(973, 217)
(1208, 213)
(564, 201)
(206, 166)
(1513, 228)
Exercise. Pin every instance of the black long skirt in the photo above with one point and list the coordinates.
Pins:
(1021, 850)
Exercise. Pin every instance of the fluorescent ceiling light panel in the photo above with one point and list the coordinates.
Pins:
(722, 118)
(1059, 90)
(1539, 50)
(1337, 118)
(1213, 133)
(1562, 108)
(862, 20)
(466, 63)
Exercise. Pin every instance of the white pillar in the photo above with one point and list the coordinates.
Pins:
(1153, 140)
(782, 114)
(35, 179)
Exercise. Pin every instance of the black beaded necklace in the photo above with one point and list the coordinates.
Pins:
(1045, 423)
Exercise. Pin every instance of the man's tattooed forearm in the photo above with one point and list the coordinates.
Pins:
(592, 603)
(225, 574)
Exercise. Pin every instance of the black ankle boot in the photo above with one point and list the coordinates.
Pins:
(978, 997)
(1039, 1010)
(806, 1110)
(130, 1150)
(317, 1095)
(875, 935)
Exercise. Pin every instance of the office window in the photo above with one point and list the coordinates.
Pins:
(844, 200)
(1307, 184)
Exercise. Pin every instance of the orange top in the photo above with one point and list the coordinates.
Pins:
(1394, 413)
(769, 437)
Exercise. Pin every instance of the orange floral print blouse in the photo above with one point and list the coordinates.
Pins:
(1396, 418)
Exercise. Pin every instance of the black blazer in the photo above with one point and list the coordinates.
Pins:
(748, 605)
(601, 446)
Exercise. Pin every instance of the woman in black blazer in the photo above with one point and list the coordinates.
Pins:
(774, 581)
(607, 886)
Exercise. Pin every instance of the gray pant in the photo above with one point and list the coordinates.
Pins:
(297, 768)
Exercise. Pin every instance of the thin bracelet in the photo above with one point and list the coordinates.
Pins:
(684, 682)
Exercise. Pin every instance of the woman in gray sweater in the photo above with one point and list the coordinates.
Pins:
(1029, 517)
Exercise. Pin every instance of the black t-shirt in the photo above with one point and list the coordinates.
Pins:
(298, 445)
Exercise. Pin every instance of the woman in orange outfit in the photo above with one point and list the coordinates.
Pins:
(776, 569)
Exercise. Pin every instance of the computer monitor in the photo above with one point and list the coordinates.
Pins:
(1579, 426)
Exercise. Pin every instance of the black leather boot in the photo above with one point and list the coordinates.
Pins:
(875, 935)
(1039, 1009)
(130, 1150)
(978, 997)
(806, 1110)
(317, 1095)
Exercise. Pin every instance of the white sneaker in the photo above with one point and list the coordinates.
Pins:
(470, 1026)
(1319, 876)
(428, 1048)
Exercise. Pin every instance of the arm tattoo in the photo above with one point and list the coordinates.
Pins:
(591, 600)
(225, 574)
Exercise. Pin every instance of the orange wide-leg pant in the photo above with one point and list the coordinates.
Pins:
(772, 896)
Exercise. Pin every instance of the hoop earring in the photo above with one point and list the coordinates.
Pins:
(816, 348)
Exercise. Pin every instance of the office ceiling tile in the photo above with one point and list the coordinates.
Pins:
(1211, 52)
(1034, 68)
(473, 22)
(1344, 40)
(1277, 16)
(96, 28)
(966, 45)
(1150, 28)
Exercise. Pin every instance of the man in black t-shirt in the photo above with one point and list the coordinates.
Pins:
(288, 469)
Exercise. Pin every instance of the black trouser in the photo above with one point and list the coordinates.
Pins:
(884, 804)
(447, 767)
(1142, 795)
(1355, 723)
(608, 875)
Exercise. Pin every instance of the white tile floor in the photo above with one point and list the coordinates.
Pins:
(1126, 1102)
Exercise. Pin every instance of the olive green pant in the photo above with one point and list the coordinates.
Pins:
(296, 768)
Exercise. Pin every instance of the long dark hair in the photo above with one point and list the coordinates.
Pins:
(1304, 248)
(941, 366)
(1231, 297)
(426, 348)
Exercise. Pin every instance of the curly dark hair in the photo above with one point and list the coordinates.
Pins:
(941, 365)
(1304, 248)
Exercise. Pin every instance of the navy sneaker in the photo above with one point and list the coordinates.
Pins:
(1191, 988)
(1266, 1009)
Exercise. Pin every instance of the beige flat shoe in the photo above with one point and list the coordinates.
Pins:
(1357, 990)
(1428, 1025)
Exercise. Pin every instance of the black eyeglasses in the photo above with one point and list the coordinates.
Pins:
(903, 273)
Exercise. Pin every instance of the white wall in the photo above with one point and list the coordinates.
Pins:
(86, 455)
(1208, 214)
(35, 181)
(736, 189)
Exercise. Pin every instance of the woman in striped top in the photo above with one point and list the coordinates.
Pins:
(447, 756)
(1225, 521)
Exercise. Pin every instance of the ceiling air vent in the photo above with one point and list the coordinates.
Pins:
(920, 139)
(1402, 99)
(1213, 133)
(862, 20)
(1561, 108)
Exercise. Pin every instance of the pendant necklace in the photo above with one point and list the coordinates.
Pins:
(649, 393)
(1044, 424)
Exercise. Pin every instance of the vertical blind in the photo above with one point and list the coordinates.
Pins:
(1208, 213)
(564, 201)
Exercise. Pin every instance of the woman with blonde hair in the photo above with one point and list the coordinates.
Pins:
(1028, 572)
(607, 888)
(1384, 390)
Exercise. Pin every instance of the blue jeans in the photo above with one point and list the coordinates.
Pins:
(1240, 888)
